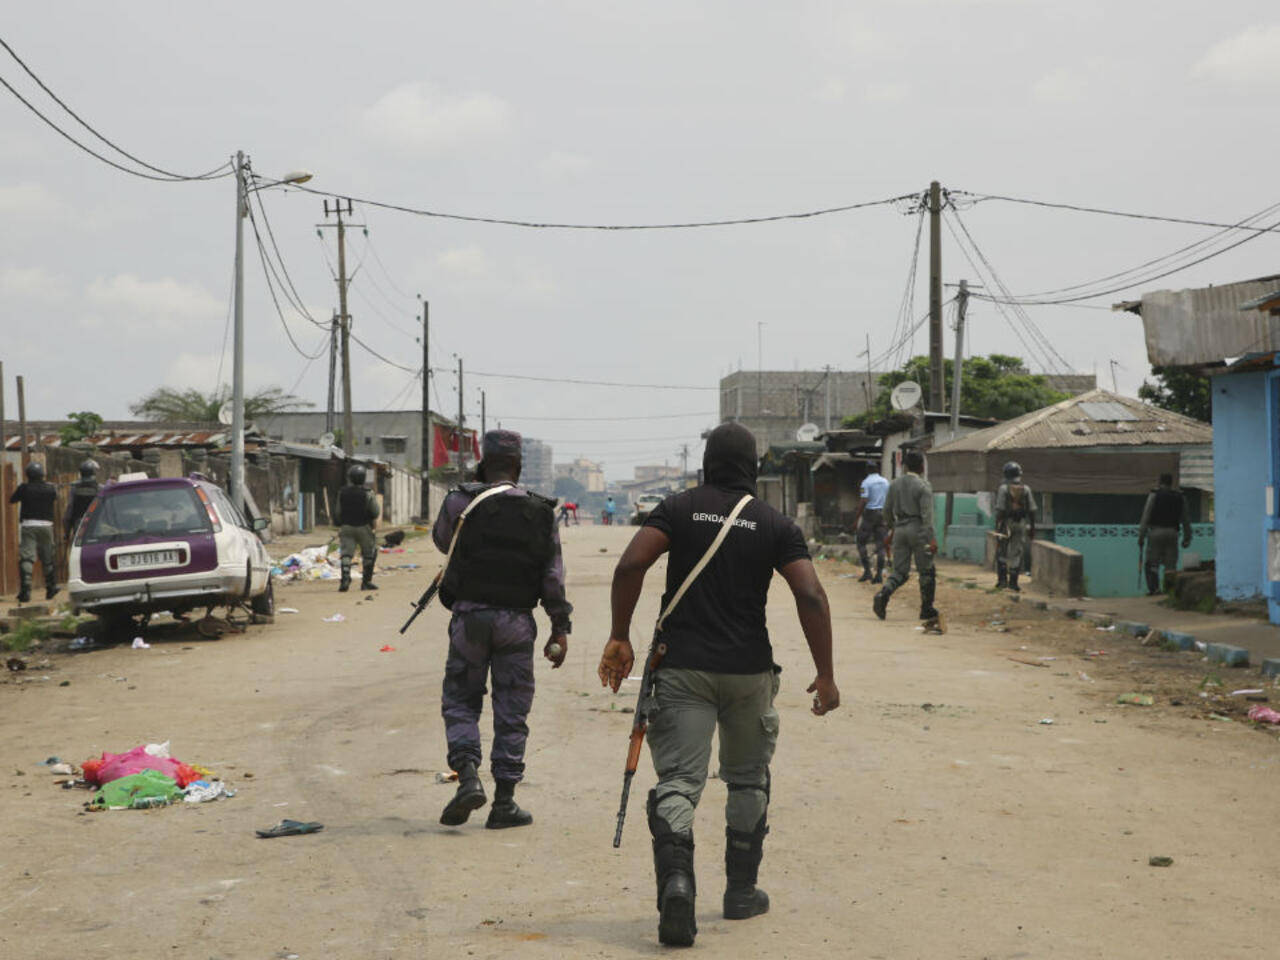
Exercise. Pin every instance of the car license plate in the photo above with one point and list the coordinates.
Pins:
(149, 558)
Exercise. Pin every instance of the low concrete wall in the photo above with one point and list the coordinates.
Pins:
(1057, 569)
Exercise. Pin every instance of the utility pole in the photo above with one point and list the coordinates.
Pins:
(344, 319)
(937, 386)
(827, 414)
(25, 454)
(962, 306)
(866, 386)
(684, 469)
(460, 421)
(484, 421)
(333, 370)
(428, 439)
(759, 368)
(1114, 387)
(235, 483)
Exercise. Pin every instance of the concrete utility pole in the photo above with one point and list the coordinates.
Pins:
(235, 483)
(962, 306)
(461, 461)
(759, 368)
(484, 419)
(428, 441)
(344, 318)
(684, 469)
(867, 385)
(827, 415)
(24, 452)
(937, 382)
(333, 372)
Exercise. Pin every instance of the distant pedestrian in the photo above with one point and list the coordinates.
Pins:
(610, 508)
(83, 492)
(869, 523)
(909, 506)
(358, 511)
(505, 561)
(572, 507)
(35, 537)
(1015, 526)
(1163, 513)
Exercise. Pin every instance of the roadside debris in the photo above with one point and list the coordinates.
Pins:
(1136, 699)
(290, 828)
(1247, 691)
(1029, 663)
(449, 777)
(1260, 714)
(1160, 861)
(336, 618)
(140, 644)
(1047, 721)
(15, 664)
(386, 648)
(286, 610)
(203, 791)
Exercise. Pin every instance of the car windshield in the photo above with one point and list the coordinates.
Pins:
(147, 512)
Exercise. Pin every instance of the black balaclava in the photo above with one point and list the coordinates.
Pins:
(730, 458)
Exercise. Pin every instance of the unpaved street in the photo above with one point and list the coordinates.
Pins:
(933, 815)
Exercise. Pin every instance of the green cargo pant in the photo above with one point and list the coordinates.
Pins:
(36, 542)
(911, 541)
(691, 704)
(350, 537)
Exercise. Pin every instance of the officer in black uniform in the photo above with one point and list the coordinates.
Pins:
(1163, 513)
(83, 492)
(357, 510)
(35, 525)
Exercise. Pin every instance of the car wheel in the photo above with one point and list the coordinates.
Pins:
(264, 605)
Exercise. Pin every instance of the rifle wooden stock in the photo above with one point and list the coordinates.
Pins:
(639, 727)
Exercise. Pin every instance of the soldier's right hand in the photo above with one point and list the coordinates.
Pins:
(615, 662)
(826, 696)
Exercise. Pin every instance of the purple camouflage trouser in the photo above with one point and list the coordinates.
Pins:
(481, 641)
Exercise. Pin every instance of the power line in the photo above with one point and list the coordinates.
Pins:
(267, 271)
(222, 170)
(398, 366)
(587, 383)
(551, 225)
(979, 197)
(287, 286)
(660, 416)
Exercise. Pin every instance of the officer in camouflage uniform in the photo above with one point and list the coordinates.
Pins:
(357, 510)
(1163, 513)
(1016, 520)
(909, 507)
(506, 560)
(83, 492)
(35, 525)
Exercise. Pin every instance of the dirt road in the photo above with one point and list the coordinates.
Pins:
(933, 815)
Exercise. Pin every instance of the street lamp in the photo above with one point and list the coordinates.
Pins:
(243, 190)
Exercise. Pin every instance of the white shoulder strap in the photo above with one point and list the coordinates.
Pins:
(725, 527)
(482, 495)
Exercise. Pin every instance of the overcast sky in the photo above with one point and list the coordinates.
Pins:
(613, 113)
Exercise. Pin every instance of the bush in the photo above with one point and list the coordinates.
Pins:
(22, 636)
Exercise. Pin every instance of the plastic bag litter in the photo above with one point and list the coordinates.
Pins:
(113, 766)
(140, 644)
(203, 791)
(158, 750)
(1262, 714)
(149, 788)
(336, 618)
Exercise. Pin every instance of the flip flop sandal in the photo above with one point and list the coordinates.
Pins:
(290, 828)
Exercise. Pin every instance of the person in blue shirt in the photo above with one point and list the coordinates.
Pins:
(610, 508)
(869, 523)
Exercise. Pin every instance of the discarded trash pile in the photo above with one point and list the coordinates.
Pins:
(146, 776)
(311, 563)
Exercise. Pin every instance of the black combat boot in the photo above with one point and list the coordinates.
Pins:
(1153, 579)
(742, 854)
(50, 589)
(677, 889)
(928, 588)
(344, 584)
(880, 602)
(366, 578)
(866, 575)
(1013, 581)
(469, 796)
(1002, 574)
(505, 812)
(879, 577)
(24, 590)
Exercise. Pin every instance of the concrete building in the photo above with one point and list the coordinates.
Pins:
(391, 435)
(1232, 333)
(773, 404)
(586, 472)
(537, 472)
(655, 472)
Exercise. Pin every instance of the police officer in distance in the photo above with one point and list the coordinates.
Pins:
(83, 492)
(1163, 513)
(35, 525)
(1016, 521)
(869, 523)
(358, 510)
(718, 672)
(909, 506)
(505, 562)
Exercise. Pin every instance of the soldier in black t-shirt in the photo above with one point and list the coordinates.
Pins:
(718, 670)
(1163, 513)
(35, 525)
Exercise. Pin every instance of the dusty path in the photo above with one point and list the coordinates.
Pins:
(964, 829)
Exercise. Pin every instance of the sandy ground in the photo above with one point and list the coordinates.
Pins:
(933, 815)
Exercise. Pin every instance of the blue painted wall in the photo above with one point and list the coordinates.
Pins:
(1111, 554)
(1240, 472)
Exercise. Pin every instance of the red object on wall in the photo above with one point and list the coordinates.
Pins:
(445, 446)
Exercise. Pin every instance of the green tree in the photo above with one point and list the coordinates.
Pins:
(996, 386)
(170, 404)
(569, 489)
(1180, 390)
(83, 424)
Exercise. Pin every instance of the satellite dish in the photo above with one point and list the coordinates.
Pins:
(807, 432)
(905, 395)
(226, 416)
(326, 440)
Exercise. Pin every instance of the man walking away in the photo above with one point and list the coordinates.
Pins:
(909, 505)
(869, 523)
(83, 492)
(1016, 522)
(718, 671)
(610, 508)
(35, 525)
(358, 510)
(506, 559)
(1164, 512)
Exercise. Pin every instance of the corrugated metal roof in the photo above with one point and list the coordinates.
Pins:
(1106, 410)
(1068, 424)
(110, 441)
(1206, 325)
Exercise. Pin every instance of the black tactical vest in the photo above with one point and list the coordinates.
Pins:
(1167, 510)
(1017, 501)
(83, 493)
(353, 506)
(502, 553)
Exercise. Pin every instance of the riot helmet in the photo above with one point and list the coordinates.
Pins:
(1012, 472)
(88, 470)
(356, 474)
(35, 471)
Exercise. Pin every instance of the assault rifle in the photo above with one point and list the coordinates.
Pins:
(432, 589)
(644, 709)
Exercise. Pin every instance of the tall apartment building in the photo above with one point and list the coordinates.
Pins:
(537, 472)
(587, 472)
(773, 404)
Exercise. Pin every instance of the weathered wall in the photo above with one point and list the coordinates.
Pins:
(1058, 569)
(1240, 474)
